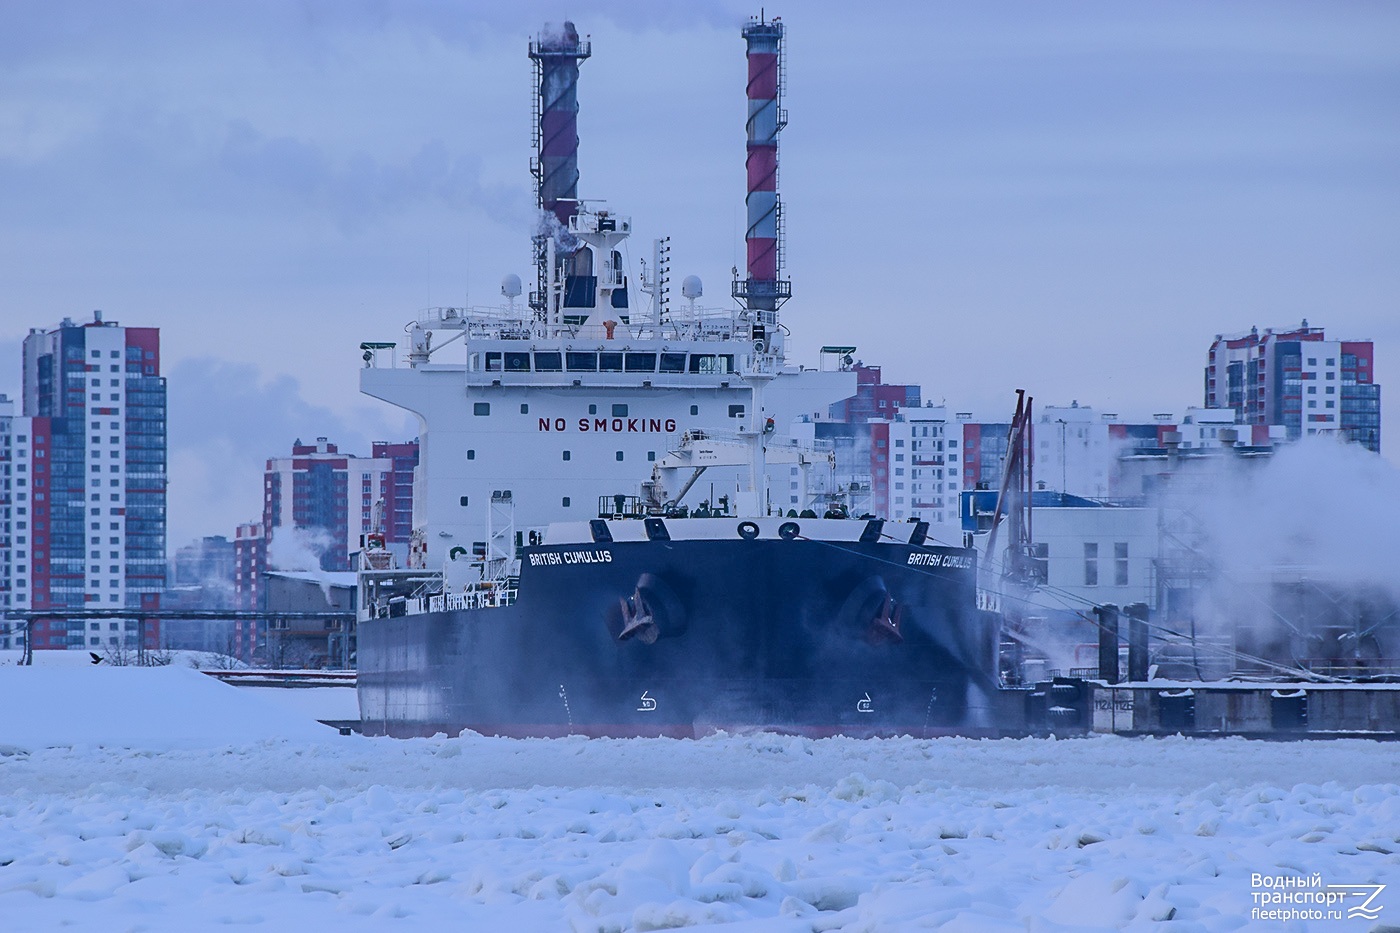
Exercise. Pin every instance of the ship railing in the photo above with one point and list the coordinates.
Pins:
(484, 323)
(492, 597)
(694, 324)
(509, 323)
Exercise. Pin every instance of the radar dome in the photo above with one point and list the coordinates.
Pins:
(510, 286)
(692, 287)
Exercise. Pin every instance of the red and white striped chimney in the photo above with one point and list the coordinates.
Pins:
(762, 289)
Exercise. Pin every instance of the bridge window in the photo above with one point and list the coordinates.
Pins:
(517, 362)
(610, 362)
(493, 362)
(581, 362)
(641, 362)
(708, 363)
(549, 362)
(673, 362)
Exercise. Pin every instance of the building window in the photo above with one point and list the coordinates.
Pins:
(736, 411)
(619, 411)
(619, 455)
(593, 409)
(481, 408)
(524, 409)
(565, 502)
(1120, 563)
(694, 410)
(471, 454)
(1091, 564)
(463, 502)
(567, 455)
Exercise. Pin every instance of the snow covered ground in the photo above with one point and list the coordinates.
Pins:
(260, 823)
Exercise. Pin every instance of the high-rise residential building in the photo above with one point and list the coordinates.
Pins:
(8, 629)
(1080, 451)
(207, 561)
(328, 500)
(1298, 379)
(327, 495)
(249, 563)
(88, 501)
(870, 445)
(402, 458)
(924, 484)
(874, 397)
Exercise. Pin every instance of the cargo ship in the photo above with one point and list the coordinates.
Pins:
(613, 532)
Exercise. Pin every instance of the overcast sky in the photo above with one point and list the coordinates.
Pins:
(1073, 198)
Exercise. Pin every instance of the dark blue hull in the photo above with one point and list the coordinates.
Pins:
(687, 637)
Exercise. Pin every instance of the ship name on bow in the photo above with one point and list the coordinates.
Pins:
(958, 561)
(559, 558)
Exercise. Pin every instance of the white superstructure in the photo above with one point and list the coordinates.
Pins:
(530, 417)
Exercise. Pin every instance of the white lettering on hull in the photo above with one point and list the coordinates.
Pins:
(562, 558)
(956, 561)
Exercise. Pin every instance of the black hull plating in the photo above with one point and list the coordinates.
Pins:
(798, 636)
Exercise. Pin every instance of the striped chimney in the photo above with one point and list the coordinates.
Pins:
(557, 55)
(762, 289)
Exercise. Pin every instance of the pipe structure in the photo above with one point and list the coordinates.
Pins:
(762, 289)
(1108, 642)
(1137, 641)
(557, 55)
